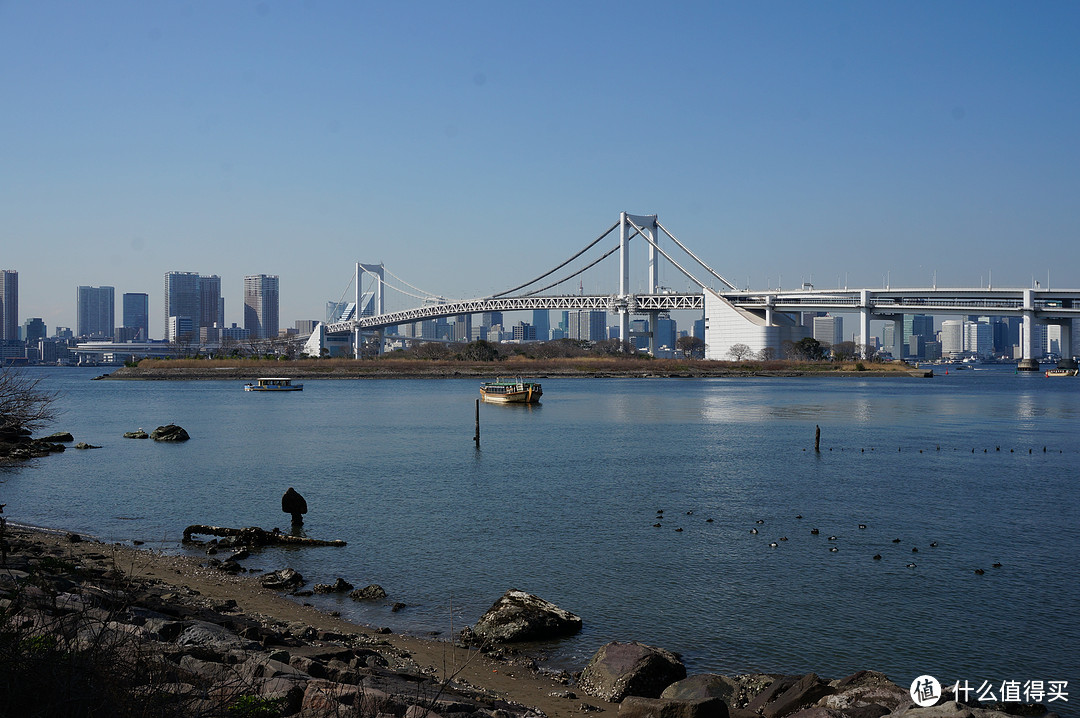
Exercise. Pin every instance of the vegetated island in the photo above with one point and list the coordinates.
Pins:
(391, 367)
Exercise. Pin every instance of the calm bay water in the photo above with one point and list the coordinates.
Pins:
(561, 501)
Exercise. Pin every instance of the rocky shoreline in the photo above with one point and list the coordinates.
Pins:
(170, 635)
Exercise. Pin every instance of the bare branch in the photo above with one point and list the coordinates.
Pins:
(24, 404)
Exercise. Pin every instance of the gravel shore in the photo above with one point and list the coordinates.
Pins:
(182, 587)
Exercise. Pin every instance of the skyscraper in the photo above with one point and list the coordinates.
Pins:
(181, 300)
(261, 305)
(34, 331)
(541, 319)
(136, 315)
(917, 325)
(95, 312)
(9, 305)
(211, 305)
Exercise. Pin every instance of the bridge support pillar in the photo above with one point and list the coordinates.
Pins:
(898, 337)
(653, 321)
(1028, 362)
(864, 323)
(1064, 339)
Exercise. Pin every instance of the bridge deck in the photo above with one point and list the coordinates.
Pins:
(1048, 304)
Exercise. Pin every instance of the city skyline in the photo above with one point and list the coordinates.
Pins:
(836, 143)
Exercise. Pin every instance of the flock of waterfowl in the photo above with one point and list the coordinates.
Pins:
(815, 532)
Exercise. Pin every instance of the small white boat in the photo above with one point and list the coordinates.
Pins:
(273, 384)
(1061, 372)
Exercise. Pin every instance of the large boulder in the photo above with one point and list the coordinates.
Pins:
(704, 686)
(520, 616)
(866, 688)
(368, 593)
(169, 432)
(285, 579)
(788, 694)
(619, 669)
(638, 707)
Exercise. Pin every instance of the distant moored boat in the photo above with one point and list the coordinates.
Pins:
(273, 384)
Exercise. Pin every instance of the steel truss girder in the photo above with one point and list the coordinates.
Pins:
(608, 303)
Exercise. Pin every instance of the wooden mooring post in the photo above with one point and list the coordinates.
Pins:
(476, 436)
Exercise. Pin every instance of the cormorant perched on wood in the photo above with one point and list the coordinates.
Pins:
(293, 503)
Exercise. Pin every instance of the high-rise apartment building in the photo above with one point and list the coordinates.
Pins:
(524, 332)
(136, 316)
(462, 327)
(590, 325)
(979, 339)
(9, 305)
(95, 312)
(952, 338)
(211, 303)
(829, 330)
(181, 300)
(261, 305)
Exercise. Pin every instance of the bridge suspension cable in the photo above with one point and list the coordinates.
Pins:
(667, 256)
(571, 276)
(687, 250)
(552, 271)
(423, 293)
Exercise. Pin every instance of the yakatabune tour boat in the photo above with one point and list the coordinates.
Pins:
(511, 392)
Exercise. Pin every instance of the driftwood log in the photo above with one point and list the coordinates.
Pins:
(255, 536)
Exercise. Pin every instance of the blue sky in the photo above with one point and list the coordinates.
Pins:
(471, 145)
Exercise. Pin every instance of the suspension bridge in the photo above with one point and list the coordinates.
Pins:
(760, 319)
